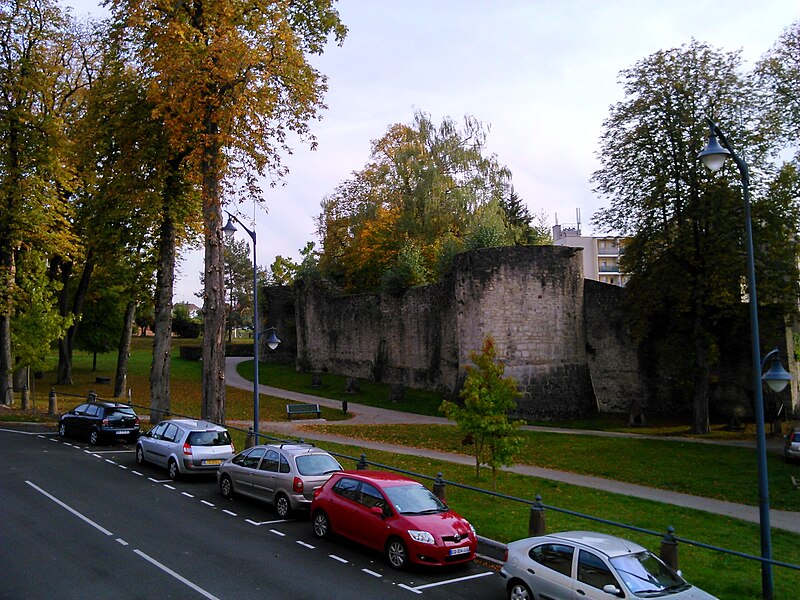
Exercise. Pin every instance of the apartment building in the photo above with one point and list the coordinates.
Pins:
(601, 254)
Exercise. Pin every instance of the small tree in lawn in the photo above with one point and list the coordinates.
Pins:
(488, 398)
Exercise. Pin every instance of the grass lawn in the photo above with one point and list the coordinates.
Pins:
(716, 471)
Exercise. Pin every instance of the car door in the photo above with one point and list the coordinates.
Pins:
(72, 419)
(264, 476)
(150, 443)
(89, 418)
(170, 445)
(370, 528)
(341, 508)
(242, 470)
(549, 570)
(592, 575)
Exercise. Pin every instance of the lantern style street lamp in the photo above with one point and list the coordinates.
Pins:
(272, 339)
(713, 157)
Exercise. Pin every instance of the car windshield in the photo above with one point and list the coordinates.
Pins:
(316, 464)
(209, 438)
(414, 499)
(644, 573)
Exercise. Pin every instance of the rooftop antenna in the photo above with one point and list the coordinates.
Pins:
(578, 214)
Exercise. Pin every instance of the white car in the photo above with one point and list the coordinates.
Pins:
(591, 566)
(184, 446)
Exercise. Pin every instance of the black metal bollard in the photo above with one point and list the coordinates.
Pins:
(669, 548)
(250, 440)
(362, 463)
(536, 523)
(344, 407)
(440, 488)
(52, 403)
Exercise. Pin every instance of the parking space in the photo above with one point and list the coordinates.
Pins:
(473, 580)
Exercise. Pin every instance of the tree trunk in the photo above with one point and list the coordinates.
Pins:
(162, 323)
(700, 422)
(124, 351)
(213, 407)
(6, 387)
(66, 344)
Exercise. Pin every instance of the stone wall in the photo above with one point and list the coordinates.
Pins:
(530, 299)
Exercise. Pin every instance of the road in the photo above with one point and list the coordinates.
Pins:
(80, 521)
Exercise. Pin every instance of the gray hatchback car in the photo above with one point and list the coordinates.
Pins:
(285, 475)
(791, 449)
(594, 566)
(185, 446)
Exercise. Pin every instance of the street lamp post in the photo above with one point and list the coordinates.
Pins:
(272, 340)
(713, 157)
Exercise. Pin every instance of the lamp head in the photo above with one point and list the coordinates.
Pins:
(272, 339)
(777, 378)
(714, 155)
(229, 230)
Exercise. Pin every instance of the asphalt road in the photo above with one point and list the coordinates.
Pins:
(86, 522)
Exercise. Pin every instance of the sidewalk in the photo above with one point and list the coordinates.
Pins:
(786, 520)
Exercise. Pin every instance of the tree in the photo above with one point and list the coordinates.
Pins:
(239, 283)
(230, 79)
(488, 398)
(685, 258)
(427, 193)
(41, 78)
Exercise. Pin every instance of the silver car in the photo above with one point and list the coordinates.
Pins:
(791, 450)
(184, 446)
(285, 475)
(585, 564)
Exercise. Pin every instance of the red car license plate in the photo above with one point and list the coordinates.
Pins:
(457, 551)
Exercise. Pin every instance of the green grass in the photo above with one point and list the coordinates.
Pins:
(720, 472)
(372, 394)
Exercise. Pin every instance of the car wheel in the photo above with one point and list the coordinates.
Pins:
(282, 506)
(172, 469)
(322, 527)
(226, 486)
(397, 553)
(519, 591)
(139, 455)
(62, 430)
(94, 437)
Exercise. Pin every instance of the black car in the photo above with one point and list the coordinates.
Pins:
(100, 421)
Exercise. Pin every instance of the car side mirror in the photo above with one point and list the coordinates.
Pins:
(377, 511)
(613, 590)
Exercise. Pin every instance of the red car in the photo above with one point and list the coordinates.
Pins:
(392, 514)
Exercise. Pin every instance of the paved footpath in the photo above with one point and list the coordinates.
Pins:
(779, 519)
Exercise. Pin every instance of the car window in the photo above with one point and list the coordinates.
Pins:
(158, 430)
(251, 460)
(593, 571)
(171, 433)
(414, 499)
(92, 410)
(284, 464)
(79, 410)
(270, 462)
(554, 556)
(209, 438)
(120, 410)
(370, 496)
(316, 464)
(796, 437)
(346, 488)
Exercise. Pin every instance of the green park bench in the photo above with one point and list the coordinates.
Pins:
(302, 409)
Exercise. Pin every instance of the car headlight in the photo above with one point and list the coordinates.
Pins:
(474, 533)
(422, 537)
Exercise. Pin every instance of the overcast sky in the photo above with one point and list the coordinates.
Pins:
(540, 73)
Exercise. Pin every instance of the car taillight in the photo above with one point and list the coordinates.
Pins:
(187, 449)
(317, 492)
(136, 421)
(505, 555)
(297, 485)
(105, 422)
(233, 448)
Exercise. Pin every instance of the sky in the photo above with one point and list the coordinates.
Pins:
(540, 74)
